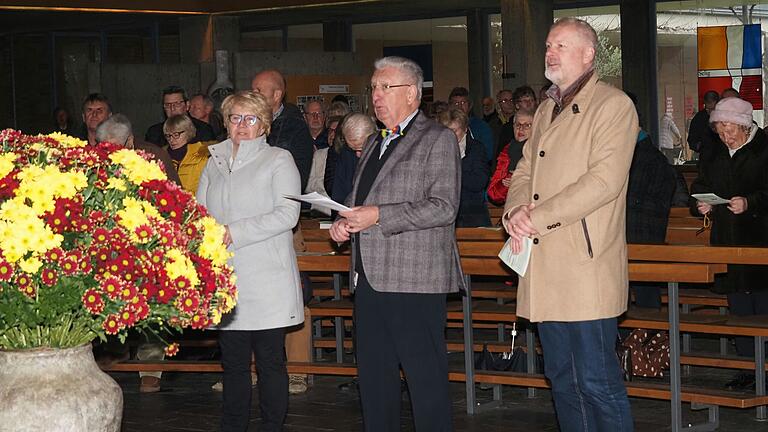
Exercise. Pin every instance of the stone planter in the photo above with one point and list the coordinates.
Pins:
(57, 390)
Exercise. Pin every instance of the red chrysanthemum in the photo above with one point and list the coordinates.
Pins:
(199, 321)
(93, 302)
(69, 266)
(54, 255)
(171, 350)
(143, 232)
(181, 283)
(188, 302)
(111, 286)
(165, 294)
(6, 270)
(127, 317)
(128, 292)
(111, 324)
(49, 276)
(141, 309)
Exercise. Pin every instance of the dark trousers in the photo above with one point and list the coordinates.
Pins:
(742, 304)
(268, 346)
(408, 330)
(587, 386)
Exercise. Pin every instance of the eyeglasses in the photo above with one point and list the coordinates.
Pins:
(313, 114)
(459, 103)
(386, 88)
(522, 126)
(172, 105)
(505, 100)
(174, 135)
(248, 119)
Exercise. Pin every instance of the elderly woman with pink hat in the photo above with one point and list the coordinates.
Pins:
(737, 170)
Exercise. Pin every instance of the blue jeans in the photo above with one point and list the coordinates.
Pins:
(587, 386)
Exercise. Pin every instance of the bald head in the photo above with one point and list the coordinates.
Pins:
(271, 84)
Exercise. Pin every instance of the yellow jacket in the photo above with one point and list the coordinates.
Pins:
(192, 165)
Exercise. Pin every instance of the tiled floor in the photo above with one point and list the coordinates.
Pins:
(187, 403)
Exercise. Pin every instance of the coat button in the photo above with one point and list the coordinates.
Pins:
(535, 197)
(536, 241)
(541, 153)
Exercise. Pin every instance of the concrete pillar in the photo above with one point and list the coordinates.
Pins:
(478, 56)
(337, 36)
(525, 24)
(638, 60)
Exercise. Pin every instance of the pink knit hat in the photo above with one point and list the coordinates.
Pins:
(732, 110)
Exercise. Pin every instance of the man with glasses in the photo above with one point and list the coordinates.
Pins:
(478, 129)
(314, 115)
(404, 201)
(522, 98)
(504, 112)
(175, 102)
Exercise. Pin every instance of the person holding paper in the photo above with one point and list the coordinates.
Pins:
(404, 254)
(736, 169)
(568, 193)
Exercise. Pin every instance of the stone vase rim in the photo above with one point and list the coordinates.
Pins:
(45, 349)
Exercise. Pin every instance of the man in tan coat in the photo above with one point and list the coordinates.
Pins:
(568, 195)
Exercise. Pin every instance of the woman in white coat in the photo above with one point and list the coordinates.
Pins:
(243, 186)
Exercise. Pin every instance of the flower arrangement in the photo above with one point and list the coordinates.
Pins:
(94, 240)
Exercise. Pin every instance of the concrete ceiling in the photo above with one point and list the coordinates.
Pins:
(41, 16)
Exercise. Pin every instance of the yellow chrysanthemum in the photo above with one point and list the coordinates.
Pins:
(180, 265)
(22, 231)
(66, 140)
(116, 183)
(137, 169)
(42, 186)
(132, 215)
(215, 317)
(30, 265)
(7, 163)
(212, 246)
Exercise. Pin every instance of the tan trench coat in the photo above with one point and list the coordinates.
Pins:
(575, 170)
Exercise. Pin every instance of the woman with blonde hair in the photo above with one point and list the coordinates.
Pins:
(188, 157)
(244, 186)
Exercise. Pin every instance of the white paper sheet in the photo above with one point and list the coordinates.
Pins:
(710, 199)
(320, 200)
(517, 262)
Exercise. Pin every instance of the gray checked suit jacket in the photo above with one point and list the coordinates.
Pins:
(413, 249)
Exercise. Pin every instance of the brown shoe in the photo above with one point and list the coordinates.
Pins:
(149, 384)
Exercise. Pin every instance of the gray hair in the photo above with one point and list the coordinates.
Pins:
(357, 126)
(116, 129)
(338, 109)
(585, 30)
(407, 66)
(524, 112)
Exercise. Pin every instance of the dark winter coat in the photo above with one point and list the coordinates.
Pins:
(746, 175)
(475, 172)
(652, 182)
(290, 132)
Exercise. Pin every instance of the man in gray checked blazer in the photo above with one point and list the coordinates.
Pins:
(404, 254)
